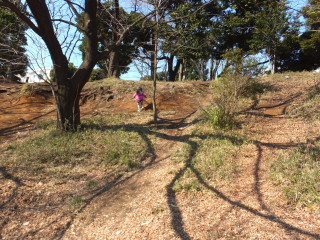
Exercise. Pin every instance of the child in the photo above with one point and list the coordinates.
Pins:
(139, 96)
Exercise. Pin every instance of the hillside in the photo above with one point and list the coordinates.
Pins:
(123, 177)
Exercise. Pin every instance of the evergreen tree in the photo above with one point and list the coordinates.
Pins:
(111, 17)
(272, 25)
(13, 60)
(310, 40)
(298, 53)
(188, 37)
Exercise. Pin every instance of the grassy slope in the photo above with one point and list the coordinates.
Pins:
(101, 145)
(80, 164)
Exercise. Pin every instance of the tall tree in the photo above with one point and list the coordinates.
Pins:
(69, 85)
(110, 17)
(272, 24)
(310, 40)
(187, 37)
(13, 60)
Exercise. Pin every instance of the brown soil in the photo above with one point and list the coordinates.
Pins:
(141, 204)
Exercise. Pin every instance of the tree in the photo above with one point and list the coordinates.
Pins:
(13, 59)
(41, 19)
(272, 25)
(200, 32)
(298, 53)
(310, 40)
(312, 14)
(120, 57)
(187, 37)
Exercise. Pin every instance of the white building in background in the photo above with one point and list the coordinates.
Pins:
(39, 75)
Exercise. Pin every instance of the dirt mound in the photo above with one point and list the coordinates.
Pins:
(21, 109)
(19, 113)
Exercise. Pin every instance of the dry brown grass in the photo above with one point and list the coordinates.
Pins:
(88, 201)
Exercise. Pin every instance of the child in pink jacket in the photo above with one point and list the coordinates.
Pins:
(139, 96)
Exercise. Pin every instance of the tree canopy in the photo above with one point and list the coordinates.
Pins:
(13, 59)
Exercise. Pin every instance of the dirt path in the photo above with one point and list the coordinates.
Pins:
(143, 205)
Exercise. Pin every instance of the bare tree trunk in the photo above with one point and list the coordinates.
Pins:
(9, 72)
(68, 107)
(184, 69)
(200, 66)
(114, 68)
(214, 68)
(152, 56)
(173, 70)
(170, 68)
(273, 64)
(181, 71)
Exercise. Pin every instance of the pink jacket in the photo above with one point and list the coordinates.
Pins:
(139, 96)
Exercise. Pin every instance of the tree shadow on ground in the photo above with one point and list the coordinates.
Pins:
(176, 213)
(146, 131)
(8, 176)
(177, 220)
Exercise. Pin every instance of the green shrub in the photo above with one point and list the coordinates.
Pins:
(237, 81)
(220, 118)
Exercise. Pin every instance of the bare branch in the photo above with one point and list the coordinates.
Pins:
(71, 5)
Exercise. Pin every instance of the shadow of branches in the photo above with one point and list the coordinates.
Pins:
(177, 221)
(146, 131)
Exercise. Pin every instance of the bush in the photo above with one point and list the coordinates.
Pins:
(98, 74)
(220, 118)
(237, 81)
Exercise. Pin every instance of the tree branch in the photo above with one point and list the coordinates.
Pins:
(21, 15)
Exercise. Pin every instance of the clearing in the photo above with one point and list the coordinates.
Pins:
(143, 203)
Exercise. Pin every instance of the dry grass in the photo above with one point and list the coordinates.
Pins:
(200, 183)
(97, 143)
